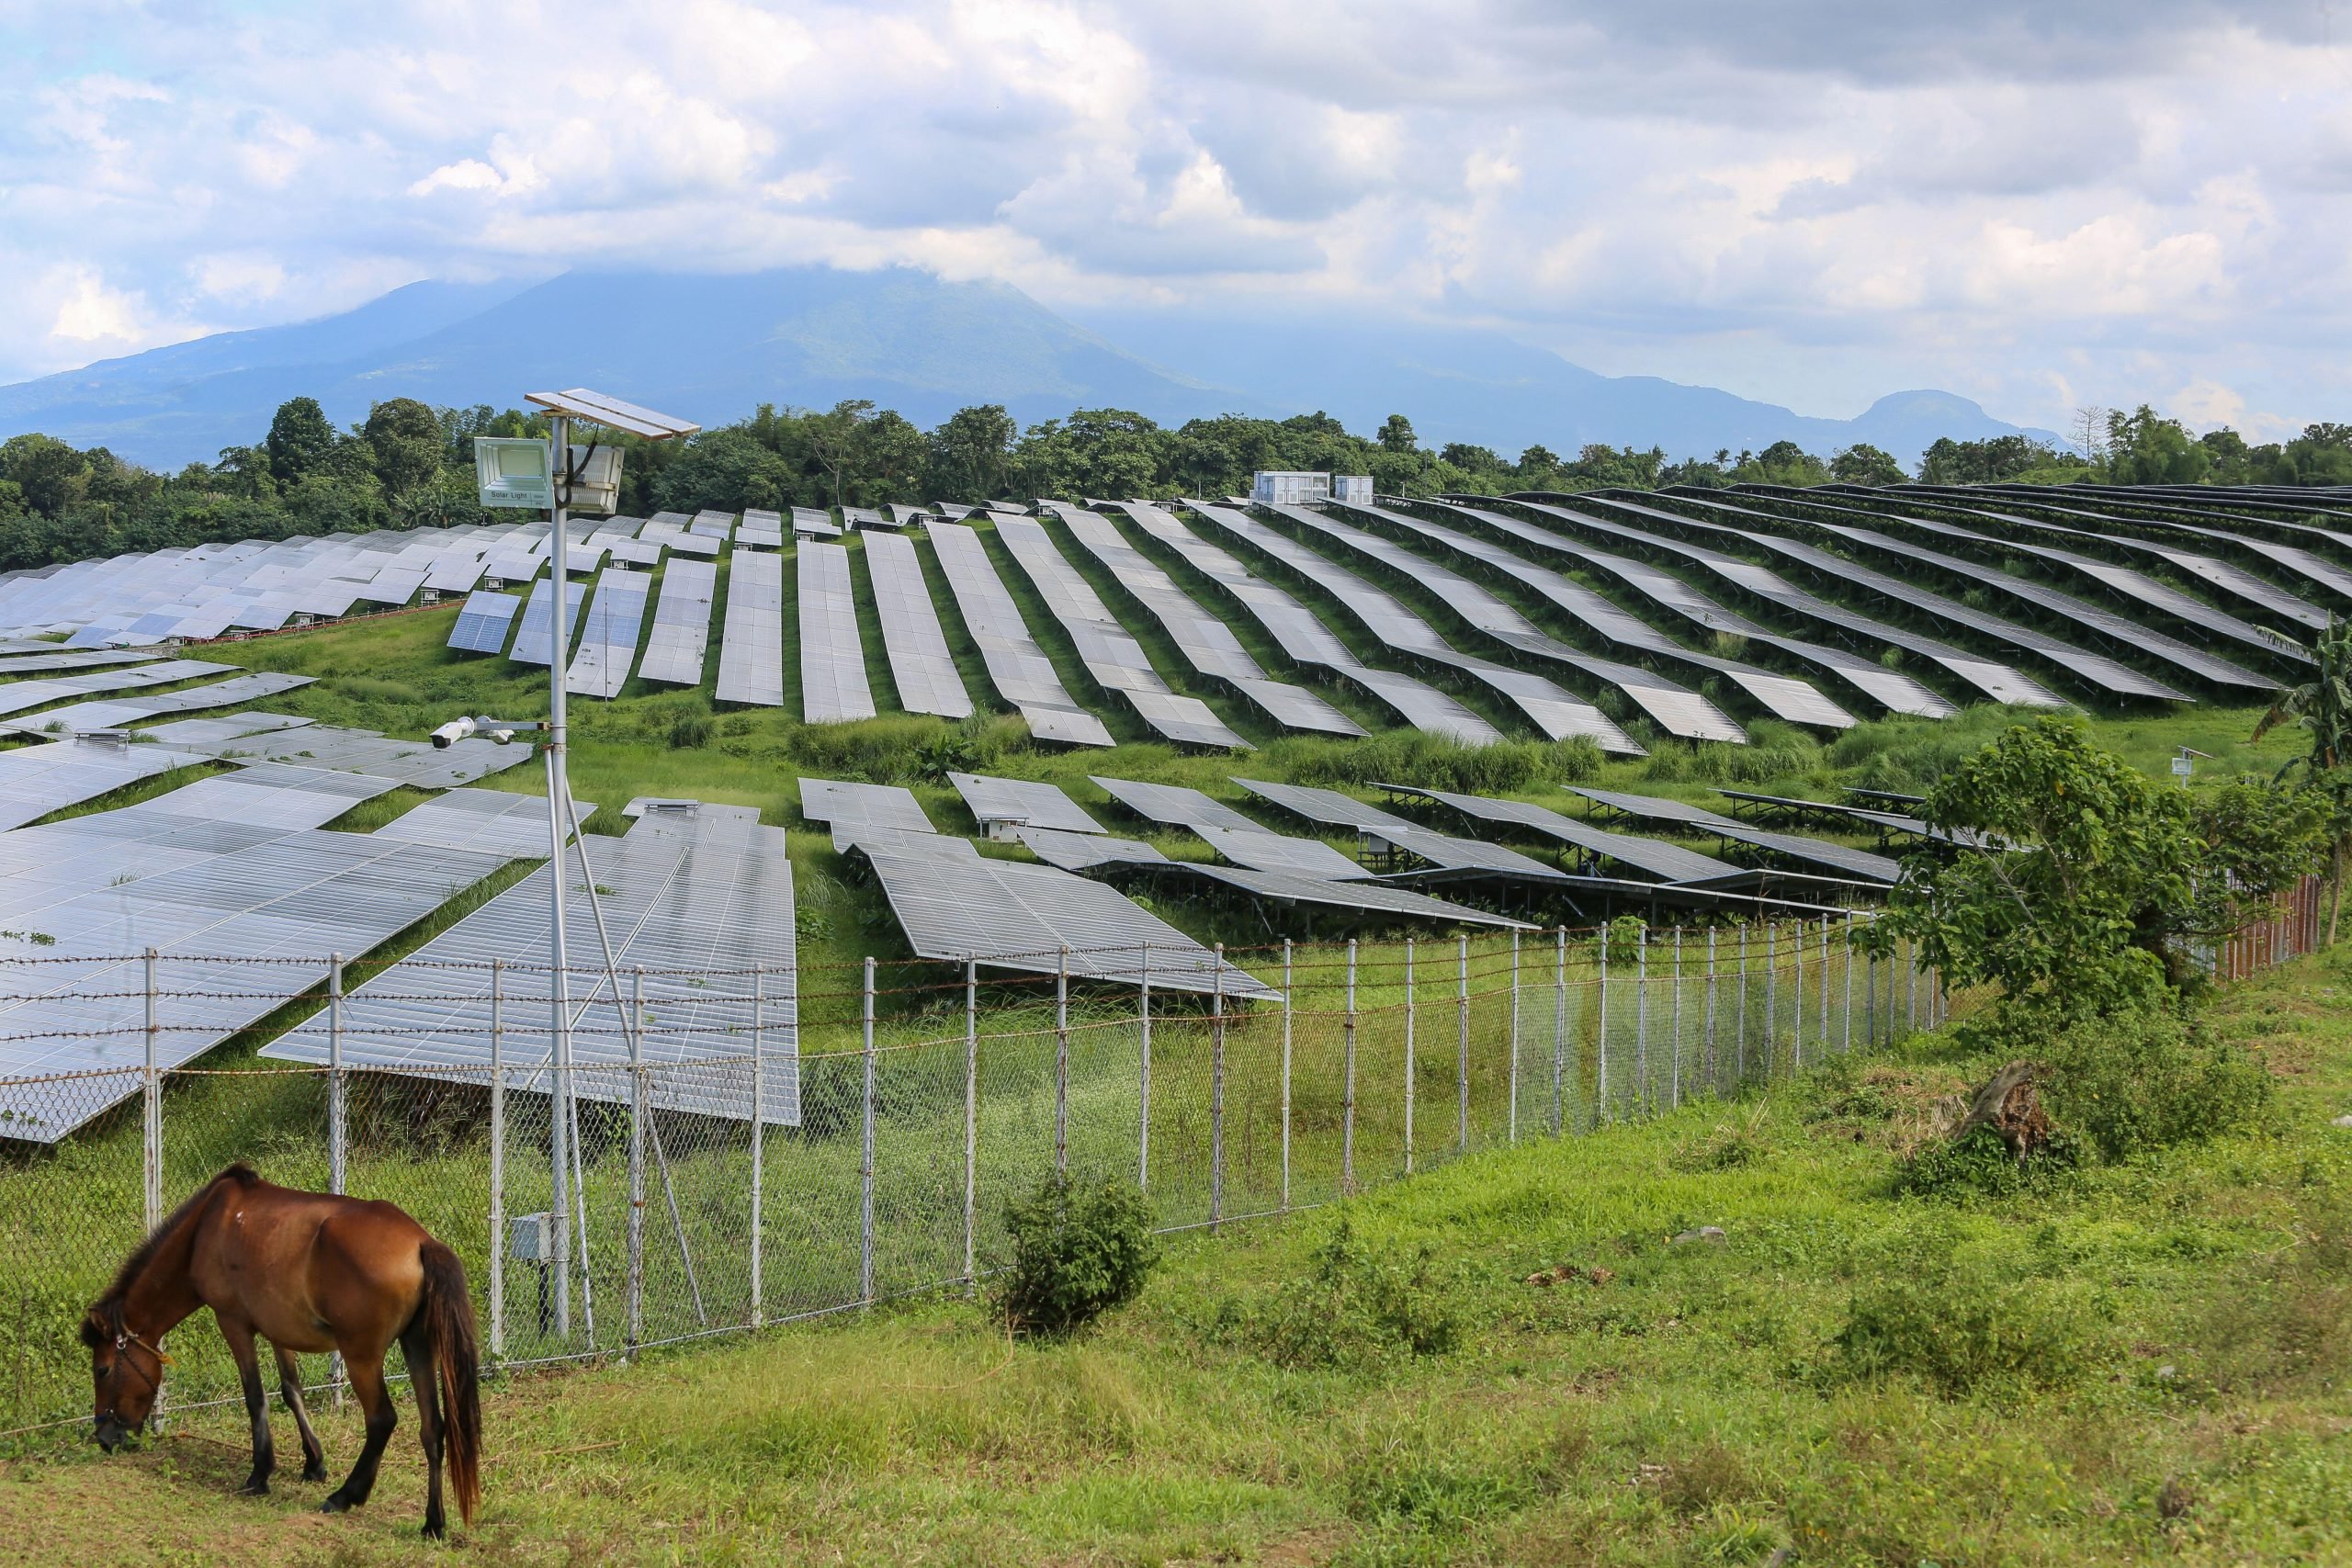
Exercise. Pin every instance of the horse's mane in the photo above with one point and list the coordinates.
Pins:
(143, 1254)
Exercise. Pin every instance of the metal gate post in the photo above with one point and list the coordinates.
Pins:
(1674, 1064)
(1409, 1063)
(971, 1111)
(759, 1135)
(1822, 1038)
(1714, 1079)
(1286, 989)
(152, 1106)
(1061, 1064)
(497, 1158)
(1796, 1013)
(1600, 1105)
(1739, 1029)
(1348, 1085)
(1216, 1089)
(633, 1326)
(1643, 1098)
(1846, 1035)
(338, 1107)
(1771, 992)
(865, 1156)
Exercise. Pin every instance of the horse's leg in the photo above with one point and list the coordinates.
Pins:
(240, 1336)
(417, 1345)
(290, 1383)
(367, 1373)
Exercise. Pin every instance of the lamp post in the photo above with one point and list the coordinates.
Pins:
(505, 483)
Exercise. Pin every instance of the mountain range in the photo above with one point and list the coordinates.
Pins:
(712, 347)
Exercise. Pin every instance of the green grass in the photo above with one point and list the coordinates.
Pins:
(1667, 1403)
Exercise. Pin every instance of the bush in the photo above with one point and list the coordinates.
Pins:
(1959, 1325)
(1980, 1166)
(2147, 1079)
(689, 730)
(1077, 1253)
(1353, 1309)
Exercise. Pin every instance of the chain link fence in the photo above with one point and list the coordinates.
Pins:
(636, 1195)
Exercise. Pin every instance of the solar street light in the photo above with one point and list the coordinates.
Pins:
(566, 482)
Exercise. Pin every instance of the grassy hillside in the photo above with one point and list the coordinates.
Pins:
(2140, 1363)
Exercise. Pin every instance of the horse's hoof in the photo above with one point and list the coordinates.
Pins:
(314, 1472)
(436, 1530)
(335, 1504)
(256, 1488)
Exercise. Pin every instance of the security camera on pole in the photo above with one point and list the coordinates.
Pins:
(554, 475)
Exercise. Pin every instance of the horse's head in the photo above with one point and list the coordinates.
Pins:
(127, 1370)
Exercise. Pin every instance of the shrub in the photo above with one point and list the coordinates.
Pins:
(1980, 1164)
(1353, 1309)
(1959, 1325)
(1077, 1253)
(2149, 1078)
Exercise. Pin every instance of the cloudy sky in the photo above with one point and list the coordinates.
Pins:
(1813, 202)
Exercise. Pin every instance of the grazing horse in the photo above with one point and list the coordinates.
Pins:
(306, 1272)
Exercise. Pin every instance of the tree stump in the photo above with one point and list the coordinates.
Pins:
(2011, 1103)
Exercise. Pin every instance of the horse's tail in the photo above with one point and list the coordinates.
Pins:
(448, 1313)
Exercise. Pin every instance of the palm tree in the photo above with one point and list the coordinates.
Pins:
(2321, 708)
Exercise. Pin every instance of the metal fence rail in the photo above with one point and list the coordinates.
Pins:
(631, 1200)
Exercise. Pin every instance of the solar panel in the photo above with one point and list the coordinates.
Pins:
(608, 641)
(1174, 805)
(22, 695)
(1115, 660)
(273, 795)
(531, 640)
(1654, 857)
(1328, 806)
(851, 804)
(1021, 803)
(920, 664)
(1859, 863)
(1037, 920)
(681, 634)
(38, 779)
(1261, 851)
(712, 525)
(1082, 851)
(751, 644)
(18, 664)
(219, 730)
(1384, 831)
(1364, 898)
(80, 1009)
(413, 763)
(113, 713)
(699, 898)
(483, 622)
(1021, 673)
(814, 523)
(511, 825)
(832, 660)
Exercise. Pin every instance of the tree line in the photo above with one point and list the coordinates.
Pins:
(408, 466)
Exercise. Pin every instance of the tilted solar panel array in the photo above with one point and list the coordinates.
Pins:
(1019, 669)
(700, 897)
(608, 639)
(921, 665)
(751, 644)
(113, 713)
(531, 638)
(1206, 642)
(1115, 660)
(834, 688)
(681, 634)
(483, 622)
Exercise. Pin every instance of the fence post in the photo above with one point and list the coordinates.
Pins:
(1715, 1081)
(1822, 1039)
(1739, 1026)
(1559, 1024)
(1846, 1035)
(152, 1106)
(1601, 1044)
(1216, 1089)
(1674, 1064)
(759, 1136)
(1462, 1046)
(497, 1158)
(865, 1156)
(1348, 1084)
(338, 1108)
(1771, 992)
(1796, 1013)
(1286, 987)
(1410, 1066)
(1513, 1125)
(1911, 988)
(1643, 1098)
(972, 1114)
(633, 1328)
(1143, 1125)
(1061, 1063)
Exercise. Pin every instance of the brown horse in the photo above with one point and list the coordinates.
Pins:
(308, 1272)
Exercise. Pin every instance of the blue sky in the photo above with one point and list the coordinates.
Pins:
(1814, 202)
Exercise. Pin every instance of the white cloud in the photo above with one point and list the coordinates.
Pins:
(1813, 203)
